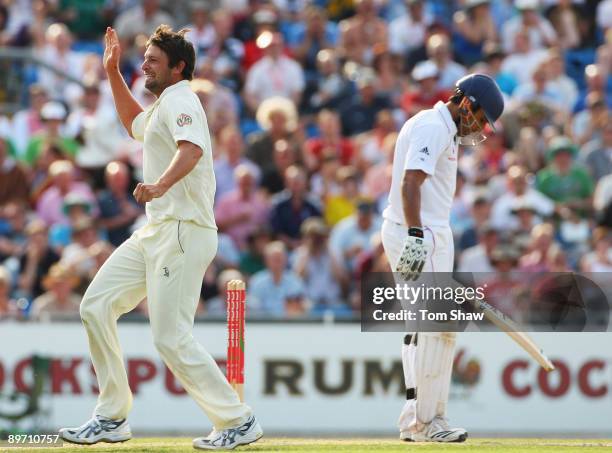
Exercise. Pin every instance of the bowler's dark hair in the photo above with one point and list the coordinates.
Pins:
(174, 44)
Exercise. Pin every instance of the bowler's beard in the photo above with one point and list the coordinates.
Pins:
(156, 86)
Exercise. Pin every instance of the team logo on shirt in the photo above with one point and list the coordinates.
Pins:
(183, 120)
(424, 151)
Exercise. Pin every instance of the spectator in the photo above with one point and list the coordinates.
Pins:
(274, 75)
(478, 257)
(330, 139)
(50, 205)
(291, 207)
(28, 122)
(319, 269)
(231, 146)
(53, 115)
(218, 101)
(604, 15)
(276, 291)
(377, 178)
(361, 33)
(226, 52)
(217, 305)
(143, 19)
(564, 85)
(523, 59)
(600, 258)
(278, 118)
(59, 298)
(596, 79)
(390, 82)
(324, 182)
(76, 255)
(536, 259)
(426, 92)
(358, 114)
(564, 181)
(273, 179)
(36, 261)
(439, 51)
(480, 215)
(330, 86)
(342, 204)
(540, 32)
(473, 26)
(97, 127)
(493, 58)
(240, 211)
(252, 259)
(118, 208)
(370, 144)
(407, 32)
(8, 306)
(518, 192)
(201, 31)
(565, 18)
(75, 207)
(99, 252)
(12, 230)
(539, 90)
(597, 154)
(588, 124)
(14, 182)
(351, 236)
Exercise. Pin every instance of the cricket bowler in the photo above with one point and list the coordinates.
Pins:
(417, 238)
(165, 260)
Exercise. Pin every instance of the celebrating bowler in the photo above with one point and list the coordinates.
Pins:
(417, 238)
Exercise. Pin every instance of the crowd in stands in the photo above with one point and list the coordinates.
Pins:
(304, 100)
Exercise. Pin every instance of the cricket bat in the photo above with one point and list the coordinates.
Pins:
(506, 324)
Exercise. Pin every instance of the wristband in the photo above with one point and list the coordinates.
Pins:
(416, 232)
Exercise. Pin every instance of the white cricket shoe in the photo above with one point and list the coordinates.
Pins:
(98, 429)
(436, 431)
(230, 438)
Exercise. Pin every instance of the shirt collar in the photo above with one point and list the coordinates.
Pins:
(175, 86)
(442, 109)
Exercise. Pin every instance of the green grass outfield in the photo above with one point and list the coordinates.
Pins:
(279, 444)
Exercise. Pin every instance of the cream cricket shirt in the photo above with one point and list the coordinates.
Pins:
(177, 115)
(426, 142)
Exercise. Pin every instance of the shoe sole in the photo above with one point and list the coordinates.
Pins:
(461, 438)
(236, 446)
(107, 441)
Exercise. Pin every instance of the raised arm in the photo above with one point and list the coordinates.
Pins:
(127, 106)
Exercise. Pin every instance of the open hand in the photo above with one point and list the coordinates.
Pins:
(112, 50)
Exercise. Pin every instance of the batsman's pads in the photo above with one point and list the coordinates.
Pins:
(413, 258)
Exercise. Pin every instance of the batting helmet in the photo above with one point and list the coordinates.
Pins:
(483, 92)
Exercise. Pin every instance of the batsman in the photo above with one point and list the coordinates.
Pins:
(165, 260)
(417, 238)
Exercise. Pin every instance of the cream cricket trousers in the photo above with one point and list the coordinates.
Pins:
(166, 263)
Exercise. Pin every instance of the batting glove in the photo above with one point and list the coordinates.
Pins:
(413, 256)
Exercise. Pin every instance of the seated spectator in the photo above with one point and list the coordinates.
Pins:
(344, 203)
(370, 144)
(390, 80)
(240, 211)
(330, 139)
(53, 115)
(76, 255)
(252, 259)
(12, 230)
(276, 291)
(596, 155)
(96, 125)
(449, 71)
(526, 219)
(536, 258)
(35, 263)
(358, 113)
(377, 179)
(598, 79)
(518, 191)
(473, 26)
(564, 181)
(143, 18)
(478, 257)
(273, 179)
(524, 59)
(319, 269)
(330, 86)
(201, 31)
(540, 32)
(539, 90)
(361, 33)
(351, 236)
(480, 215)
(426, 92)
(231, 148)
(217, 305)
(291, 207)
(75, 207)
(600, 258)
(279, 119)
(324, 182)
(99, 252)
(59, 298)
(50, 205)
(118, 208)
(28, 122)
(407, 32)
(218, 101)
(8, 306)
(604, 15)
(226, 51)
(14, 181)
(564, 85)
(274, 75)
(493, 57)
(564, 18)
(589, 123)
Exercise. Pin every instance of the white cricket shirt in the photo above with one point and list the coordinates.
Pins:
(177, 115)
(426, 142)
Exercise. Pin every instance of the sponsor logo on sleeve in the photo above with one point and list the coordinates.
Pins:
(183, 120)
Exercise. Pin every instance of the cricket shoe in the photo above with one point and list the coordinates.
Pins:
(98, 429)
(228, 439)
(436, 431)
